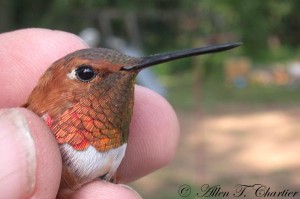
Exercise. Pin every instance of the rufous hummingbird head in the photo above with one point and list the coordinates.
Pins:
(86, 98)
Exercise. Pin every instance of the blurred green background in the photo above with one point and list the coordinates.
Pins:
(238, 109)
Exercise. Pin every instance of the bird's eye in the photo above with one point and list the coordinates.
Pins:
(85, 73)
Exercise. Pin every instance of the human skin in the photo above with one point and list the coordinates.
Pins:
(30, 158)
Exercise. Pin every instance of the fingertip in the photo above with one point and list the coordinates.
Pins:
(106, 190)
(25, 54)
(154, 112)
(18, 156)
(48, 157)
(33, 40)
(30, 158)
(154, 134)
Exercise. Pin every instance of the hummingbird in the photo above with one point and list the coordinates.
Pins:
(86, 99)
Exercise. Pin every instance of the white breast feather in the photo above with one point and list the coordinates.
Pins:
(91, 163)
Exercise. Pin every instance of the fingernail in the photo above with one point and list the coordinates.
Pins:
(17, 155)
(132, 190)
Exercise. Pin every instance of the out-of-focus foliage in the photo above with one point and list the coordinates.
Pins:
(269, 29)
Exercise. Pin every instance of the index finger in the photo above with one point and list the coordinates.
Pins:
(25, 55)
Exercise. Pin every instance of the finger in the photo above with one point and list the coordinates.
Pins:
(30, 159)
(154, 132)
(106, 190)
(25, 55)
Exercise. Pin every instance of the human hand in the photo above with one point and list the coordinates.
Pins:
(30, 158)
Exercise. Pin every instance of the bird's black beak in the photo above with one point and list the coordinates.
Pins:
(165, 57)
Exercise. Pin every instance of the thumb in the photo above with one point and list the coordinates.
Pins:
(30, 159)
